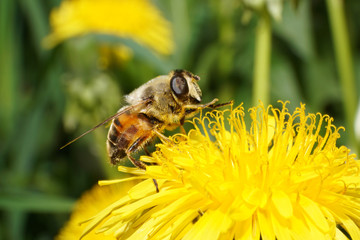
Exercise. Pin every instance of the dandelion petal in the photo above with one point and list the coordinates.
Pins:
(314, 213)
(282, 203)
(210, 226)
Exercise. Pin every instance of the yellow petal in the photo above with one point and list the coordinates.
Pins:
(244, 231)
(102, 214)
(314, 213)
(340, 235)
(149, 201)
(349, 225)
(139, 20)
(243, 212)
(254, 195)
(266, 229)
(120, 180)
(282, 203)
(281, 227)
(210, 226)
(144, 188)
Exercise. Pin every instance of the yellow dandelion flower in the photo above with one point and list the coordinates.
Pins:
(136, 19)
(90, 204)
(279, 177)
(120, 53)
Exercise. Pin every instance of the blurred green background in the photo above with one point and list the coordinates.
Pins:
(50, 96)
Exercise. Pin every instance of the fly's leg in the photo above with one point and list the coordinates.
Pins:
(201, 106)
(142, 166)
(161, 136)
(194, 107)
(221, 104)
(136, 162)
(133, 147)
(139, 142)
(147, 151)
(156, 185)
(182, 129)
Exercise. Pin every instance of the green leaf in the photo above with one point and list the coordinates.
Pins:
(38, 21)
(9, 68)
(23, 200)
(284, 85)
(295, 29)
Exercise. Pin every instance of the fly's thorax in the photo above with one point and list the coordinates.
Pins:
(154, 87)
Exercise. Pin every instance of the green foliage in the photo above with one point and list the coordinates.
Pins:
(48, 97)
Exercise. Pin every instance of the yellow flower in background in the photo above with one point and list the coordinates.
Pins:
(90, 204)
(139, 20)
(280, 176)
(120, 53)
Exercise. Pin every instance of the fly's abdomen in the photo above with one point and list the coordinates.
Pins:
(127, 133)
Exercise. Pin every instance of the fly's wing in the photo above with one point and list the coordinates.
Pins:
(139, 105)
(153, 87)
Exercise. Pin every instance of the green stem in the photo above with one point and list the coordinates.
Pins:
(344, 64)
(9, 68)
(262, 60)
(180, 20)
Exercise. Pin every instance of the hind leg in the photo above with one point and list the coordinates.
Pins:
(137, 163)
(147, 151)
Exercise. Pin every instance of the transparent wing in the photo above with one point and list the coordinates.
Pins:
(138, 105)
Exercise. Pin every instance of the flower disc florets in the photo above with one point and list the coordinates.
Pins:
(279, 177)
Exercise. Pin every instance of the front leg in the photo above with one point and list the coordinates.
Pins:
(195, 107)
(161, 136)
(191, 109)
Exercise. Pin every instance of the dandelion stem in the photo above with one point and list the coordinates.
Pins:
(344, 62)
(9, 55)
(262, 60)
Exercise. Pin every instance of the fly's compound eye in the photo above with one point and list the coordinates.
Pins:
(179, 86)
